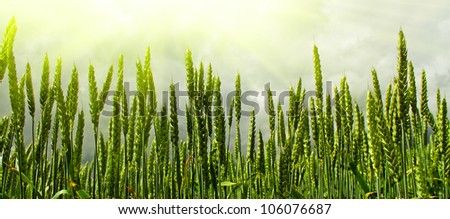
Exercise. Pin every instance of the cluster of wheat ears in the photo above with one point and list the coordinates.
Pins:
(397, 149)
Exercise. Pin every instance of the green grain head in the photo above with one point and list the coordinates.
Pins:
(30, 92)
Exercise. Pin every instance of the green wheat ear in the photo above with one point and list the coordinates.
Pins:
(45, 83)
(237, 113)
(209, 98)
(442, 147)
(251, 139)
(271, 150)
(412, 93)
(72, 97)
(30, 92)
(93, 94)
(374, 141)
(219, 123)
(424, 110)
(376, 87)
(174, 139)
(190, 77)
(318, 78)
(8, 41)
(260, 157)
(78, 147)
(445, 147)
(402, 68)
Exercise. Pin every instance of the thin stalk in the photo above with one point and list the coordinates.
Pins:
(96, 175)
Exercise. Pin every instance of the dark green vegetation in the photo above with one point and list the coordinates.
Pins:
(397, 149)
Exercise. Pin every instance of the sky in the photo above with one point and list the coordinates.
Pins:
(266, 41)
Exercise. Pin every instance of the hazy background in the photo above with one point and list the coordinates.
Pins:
(266, 41)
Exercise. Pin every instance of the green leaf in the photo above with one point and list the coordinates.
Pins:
(83, 194)
(359, 178)
(62, 192)
(233, 191)
(30, 183)
(80, 192)
(24, 179)
(228, 184)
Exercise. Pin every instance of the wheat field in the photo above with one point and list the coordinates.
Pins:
(320, 149)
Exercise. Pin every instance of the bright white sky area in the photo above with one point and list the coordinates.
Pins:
(266, 41)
